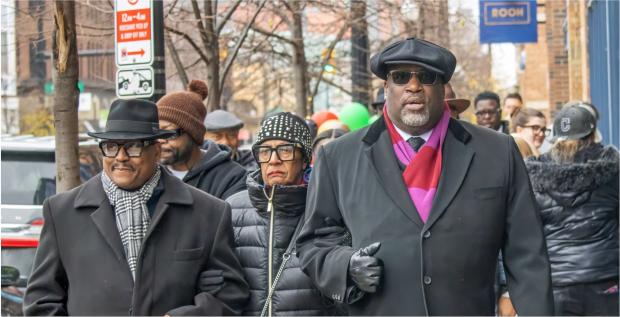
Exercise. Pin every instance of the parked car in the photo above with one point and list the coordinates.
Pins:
(27, 179)
(29, 172)
(19, 245)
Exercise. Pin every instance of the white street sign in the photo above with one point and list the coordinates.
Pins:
(133, 32)
(135, 83)
(85, 101)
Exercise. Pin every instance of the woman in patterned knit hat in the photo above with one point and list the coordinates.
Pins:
(267, 217)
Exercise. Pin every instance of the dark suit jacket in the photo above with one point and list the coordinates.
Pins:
(445, 266)
(80, 266)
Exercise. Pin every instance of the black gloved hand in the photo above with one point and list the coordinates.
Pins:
(211, 281)
(365, 270)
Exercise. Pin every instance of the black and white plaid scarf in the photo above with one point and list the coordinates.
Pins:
(132, 215)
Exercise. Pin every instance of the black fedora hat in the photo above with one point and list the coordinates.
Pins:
(132, 119)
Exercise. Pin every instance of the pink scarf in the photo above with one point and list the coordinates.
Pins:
(421, 175)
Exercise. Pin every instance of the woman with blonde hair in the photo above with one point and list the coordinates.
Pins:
(576, 187)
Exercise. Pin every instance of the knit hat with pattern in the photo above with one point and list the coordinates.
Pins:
(186, 110)
(289, 127)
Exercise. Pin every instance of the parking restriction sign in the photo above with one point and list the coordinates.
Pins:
(133, 21)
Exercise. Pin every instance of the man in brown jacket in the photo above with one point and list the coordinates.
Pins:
(134, 239)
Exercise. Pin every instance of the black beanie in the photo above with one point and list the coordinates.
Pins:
(289, 127)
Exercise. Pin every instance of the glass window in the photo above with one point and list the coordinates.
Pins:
(27, 178)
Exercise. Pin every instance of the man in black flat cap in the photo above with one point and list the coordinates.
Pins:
(429, 202)
(134, 239)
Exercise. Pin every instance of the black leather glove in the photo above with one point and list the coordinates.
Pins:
(211, 281)
(365, 270)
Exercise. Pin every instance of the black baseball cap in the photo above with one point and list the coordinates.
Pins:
(573, 122)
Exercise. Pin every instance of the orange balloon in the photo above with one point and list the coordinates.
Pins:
(332, 124)
(322, 116)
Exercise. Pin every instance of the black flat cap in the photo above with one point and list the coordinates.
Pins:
(414, 51)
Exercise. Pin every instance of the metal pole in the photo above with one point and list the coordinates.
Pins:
(159, 60)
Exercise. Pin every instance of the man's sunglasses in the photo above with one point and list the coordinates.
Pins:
(284, 152)
(132, 148)
(402, 77)
(177, 133)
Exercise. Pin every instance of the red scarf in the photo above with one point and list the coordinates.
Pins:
(423, 168)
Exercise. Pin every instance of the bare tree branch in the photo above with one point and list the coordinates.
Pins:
(325, 59)
(244, 34)
(272, 34)
(226, 17)
(190, 41)
(174, 4)
(177, 61)
(333, 84)
(200, 25)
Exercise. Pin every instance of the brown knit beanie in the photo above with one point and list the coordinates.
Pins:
(186, 110)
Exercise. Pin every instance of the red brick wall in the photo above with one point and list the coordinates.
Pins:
(558, 54)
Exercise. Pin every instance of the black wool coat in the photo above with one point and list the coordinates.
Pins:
(80, 266)
(446, 266)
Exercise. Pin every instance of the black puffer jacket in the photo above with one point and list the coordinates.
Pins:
(295, 293)
(216, 173)
(579, 206)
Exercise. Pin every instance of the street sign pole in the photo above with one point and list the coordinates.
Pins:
(159, 63)
(139, 49)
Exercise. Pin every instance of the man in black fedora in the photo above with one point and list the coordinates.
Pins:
(429, 201)
(133, 240)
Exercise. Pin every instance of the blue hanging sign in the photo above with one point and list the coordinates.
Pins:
(508, 21)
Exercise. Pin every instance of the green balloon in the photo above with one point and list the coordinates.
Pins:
(373, 118)
(354, 115)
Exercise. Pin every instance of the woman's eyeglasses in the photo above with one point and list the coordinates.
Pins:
(402, 77)
(132, 148)
(284, 152)
(538, 129)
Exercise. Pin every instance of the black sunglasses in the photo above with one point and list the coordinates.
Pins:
(132, 148)
(402, 77)
(177, 133)
(284, 152)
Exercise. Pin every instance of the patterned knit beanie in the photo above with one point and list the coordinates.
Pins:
(186, 110)
(289, 127)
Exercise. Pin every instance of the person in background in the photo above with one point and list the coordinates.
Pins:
(313, 127)
(222, 127)
(133, 240)
(211, 169)
(457, 105)
(512, 103)
(267, 218)
(377, 105)
(530, 125)
(324, 138)
(488, 112)
(576, 187)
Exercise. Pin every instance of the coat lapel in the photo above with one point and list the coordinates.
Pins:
(175, 192)
(92, 195)
(456, 159)
(383, 162)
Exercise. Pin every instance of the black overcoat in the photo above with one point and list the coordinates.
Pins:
(80, 266)
(445, 266)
